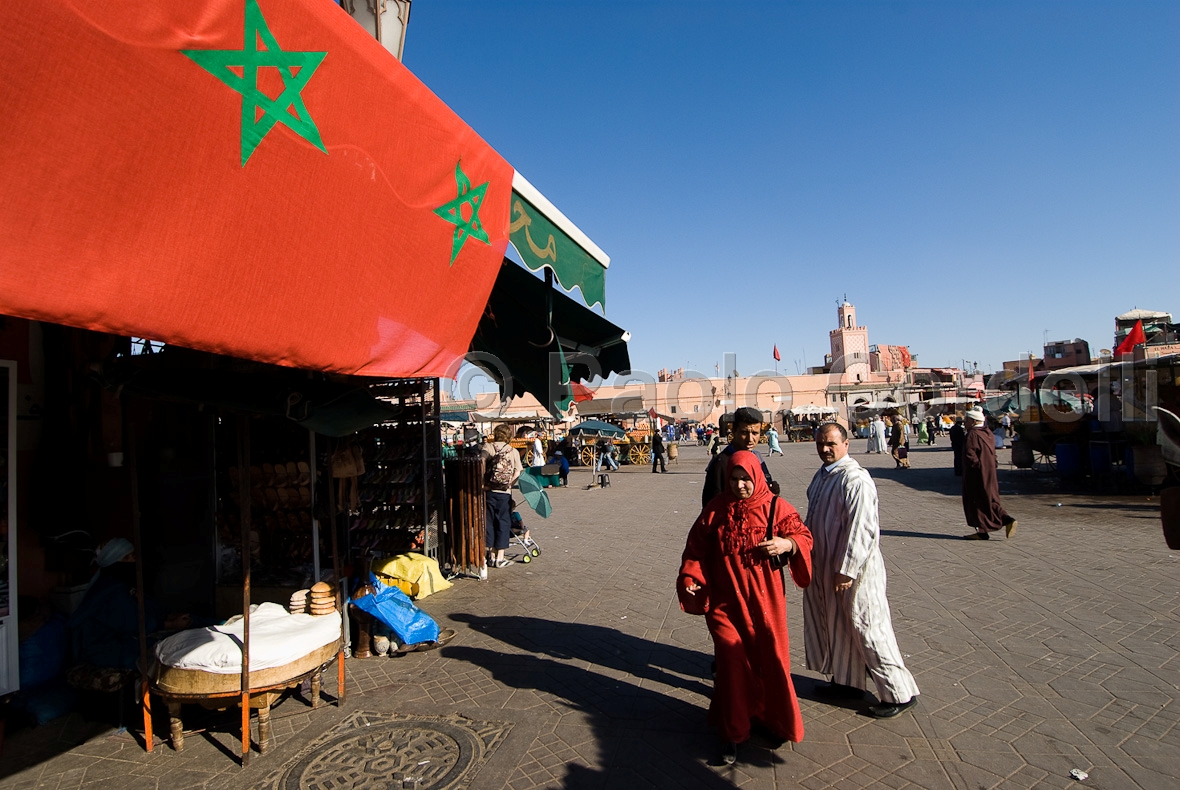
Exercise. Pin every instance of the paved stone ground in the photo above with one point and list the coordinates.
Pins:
(1052, 651)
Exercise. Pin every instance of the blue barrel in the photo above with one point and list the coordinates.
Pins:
(1100, 460)
(1069, 460)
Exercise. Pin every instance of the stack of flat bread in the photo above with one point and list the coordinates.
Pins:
(322, 599)
(298, 604)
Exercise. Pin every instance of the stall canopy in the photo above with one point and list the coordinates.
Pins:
(542, 339)
(624, 403)
(811, 409)
(255, 178)
(598, 428)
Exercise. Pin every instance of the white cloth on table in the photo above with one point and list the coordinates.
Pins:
(848, 634)
(276, 638)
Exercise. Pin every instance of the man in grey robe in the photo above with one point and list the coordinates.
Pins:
(848, 631)
(877, 440)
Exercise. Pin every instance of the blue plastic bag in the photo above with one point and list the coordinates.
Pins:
(394, 608)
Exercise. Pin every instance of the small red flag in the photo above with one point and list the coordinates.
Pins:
(1134, 338)
(582, 392)
(777, 358)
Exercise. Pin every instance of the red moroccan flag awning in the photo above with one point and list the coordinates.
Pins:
(257, 178)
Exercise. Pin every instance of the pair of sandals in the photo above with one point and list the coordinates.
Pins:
(444, 636)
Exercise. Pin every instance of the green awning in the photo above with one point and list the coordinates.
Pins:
(522, 348)
(545, 238)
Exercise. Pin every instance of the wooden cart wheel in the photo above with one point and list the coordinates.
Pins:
(528, 456)
(640, 454)
(587, 455)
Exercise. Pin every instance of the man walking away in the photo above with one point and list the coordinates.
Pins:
(981, 484)
(848, 630)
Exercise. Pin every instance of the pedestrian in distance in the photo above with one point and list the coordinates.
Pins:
(606, 457)
(731, 572)
(957, 434)
(657, 453)
(847, 627)
(898, 446)
(878, 428)
(772, 441)
(981, 484)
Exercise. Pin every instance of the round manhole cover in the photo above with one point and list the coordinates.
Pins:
(405, 754)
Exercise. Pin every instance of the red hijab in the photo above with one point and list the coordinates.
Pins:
(744, 523)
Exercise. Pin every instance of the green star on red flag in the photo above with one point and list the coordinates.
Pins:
(452, 212)
(295, 68)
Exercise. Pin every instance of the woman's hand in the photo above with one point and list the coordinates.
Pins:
(691, 587)
(776, 545)
(843, 582)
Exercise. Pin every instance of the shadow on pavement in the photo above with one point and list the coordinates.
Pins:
(901, 533)
(646, 736)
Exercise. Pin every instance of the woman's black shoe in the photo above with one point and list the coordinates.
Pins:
(729, 753)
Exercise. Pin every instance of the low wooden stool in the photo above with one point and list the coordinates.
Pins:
(603, 479)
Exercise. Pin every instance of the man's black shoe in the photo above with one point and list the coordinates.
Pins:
(887, 710)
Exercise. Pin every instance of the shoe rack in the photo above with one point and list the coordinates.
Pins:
(402, 490)
(280, 478)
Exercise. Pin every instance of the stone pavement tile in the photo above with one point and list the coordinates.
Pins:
(929, 774)
(1132, 775)
(1027, 777)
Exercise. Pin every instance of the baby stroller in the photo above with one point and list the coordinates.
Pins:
(522, 538)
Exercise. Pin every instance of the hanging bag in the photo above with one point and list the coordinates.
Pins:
(777, 560)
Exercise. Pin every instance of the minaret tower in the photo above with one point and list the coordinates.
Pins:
(850, 345)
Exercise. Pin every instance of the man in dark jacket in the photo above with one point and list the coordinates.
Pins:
(657, 452)
(744, 434)
(958, 435)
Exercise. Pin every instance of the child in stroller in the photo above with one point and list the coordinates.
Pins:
(521, 536)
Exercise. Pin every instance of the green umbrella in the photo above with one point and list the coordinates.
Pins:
(535, 494)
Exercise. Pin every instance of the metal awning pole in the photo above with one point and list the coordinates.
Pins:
(315, 524)
(333, 445)
(137, 543)
(244, 488)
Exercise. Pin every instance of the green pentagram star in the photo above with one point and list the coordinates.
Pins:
(452, 212)
(295, 69)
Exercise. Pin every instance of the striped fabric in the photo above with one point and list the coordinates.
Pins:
(849, 635)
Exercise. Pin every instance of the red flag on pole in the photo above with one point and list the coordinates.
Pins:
(777, 358)
(1134, 338)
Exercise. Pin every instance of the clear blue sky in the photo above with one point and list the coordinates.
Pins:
(971, 174)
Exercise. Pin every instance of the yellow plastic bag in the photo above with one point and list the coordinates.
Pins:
(419, 572)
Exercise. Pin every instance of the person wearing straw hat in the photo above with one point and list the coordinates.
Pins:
(981, 485)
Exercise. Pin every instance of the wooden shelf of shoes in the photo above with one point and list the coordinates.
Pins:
(280, 516)
(401, 492)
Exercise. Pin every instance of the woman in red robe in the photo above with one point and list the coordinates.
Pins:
(726, 575)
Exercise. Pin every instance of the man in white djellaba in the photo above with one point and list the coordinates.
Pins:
(848, 632)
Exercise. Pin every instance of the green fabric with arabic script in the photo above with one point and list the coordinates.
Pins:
(541, 243)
